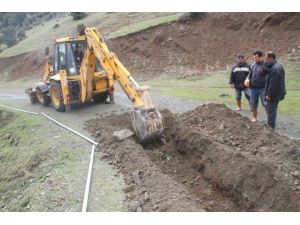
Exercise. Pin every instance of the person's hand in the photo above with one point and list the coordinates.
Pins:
(231, 85)
(268, 98)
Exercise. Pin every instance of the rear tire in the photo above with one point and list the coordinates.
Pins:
(43, 97)
(33, 99)
(57, 96)
(99, 98)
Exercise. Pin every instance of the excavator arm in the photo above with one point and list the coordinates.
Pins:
(146, 119)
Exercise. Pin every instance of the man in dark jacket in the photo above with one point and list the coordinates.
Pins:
(257, 77)
(238, 75)
(275, 87)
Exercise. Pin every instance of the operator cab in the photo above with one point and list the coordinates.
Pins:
(69, 54)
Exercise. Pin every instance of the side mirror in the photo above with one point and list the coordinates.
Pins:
(47, 51)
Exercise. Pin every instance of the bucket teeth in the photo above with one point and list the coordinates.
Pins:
(148, 124)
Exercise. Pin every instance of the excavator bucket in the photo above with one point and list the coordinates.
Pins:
(148, 124)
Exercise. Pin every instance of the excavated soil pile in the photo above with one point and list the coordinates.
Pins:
(210, 158)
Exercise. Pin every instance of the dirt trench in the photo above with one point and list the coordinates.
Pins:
(210, 159)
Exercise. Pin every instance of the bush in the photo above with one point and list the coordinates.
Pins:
(80, 28)
(21, 34)
(191, 15)
(2, 38)
(10, 36)
(78, 15)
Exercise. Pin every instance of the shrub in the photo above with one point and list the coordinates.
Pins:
(10, 36)
(78, 15)
(191, 15)
(21, 34)
(81, 28)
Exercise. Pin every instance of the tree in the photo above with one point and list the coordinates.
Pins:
(10, 36)
(78, 15)
(2, 38)
(21, 34)
(81, 28)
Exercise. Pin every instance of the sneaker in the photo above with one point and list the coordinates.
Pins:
(238, 109)
(253, 120)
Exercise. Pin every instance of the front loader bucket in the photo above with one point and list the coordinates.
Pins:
(147, 124)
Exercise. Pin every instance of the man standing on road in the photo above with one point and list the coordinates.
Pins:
(238, 75)
(257, 77)
(275, 87)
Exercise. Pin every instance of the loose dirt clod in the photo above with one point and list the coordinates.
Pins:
(211, 158)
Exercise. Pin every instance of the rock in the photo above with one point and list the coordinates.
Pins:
(295, 182)
(122, 134)
(139, 209)
(136, 175)
(155, 207)
(128, 188)
(146, 197)
(222, 94)
(221, 127)
(141, 191)
(298, 188)
(295, 173)
(133, 205)
(170, 39)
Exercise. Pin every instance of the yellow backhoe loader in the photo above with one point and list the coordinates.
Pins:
(83, 69)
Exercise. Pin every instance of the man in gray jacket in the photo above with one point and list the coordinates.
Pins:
(275, 87)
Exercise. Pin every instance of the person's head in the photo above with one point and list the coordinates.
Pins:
(240, 59)
(257, 56)
(270, 57)
(78, 48)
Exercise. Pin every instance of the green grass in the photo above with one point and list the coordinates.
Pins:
(209, 86)
(145, 24)
(36, 169)
(206, 88)
(109, 24)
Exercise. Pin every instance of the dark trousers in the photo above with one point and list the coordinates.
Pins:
(272, 113)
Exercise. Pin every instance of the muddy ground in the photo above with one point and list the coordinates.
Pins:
(210, 158)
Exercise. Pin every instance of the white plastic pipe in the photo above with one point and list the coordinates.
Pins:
(75, 132)
(88, 181)
(19, 110)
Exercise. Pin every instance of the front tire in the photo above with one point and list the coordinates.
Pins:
(57, 97)
(43, 97)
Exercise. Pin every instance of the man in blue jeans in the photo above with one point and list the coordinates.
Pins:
(238, 75)
(275, 87)
(257, 77)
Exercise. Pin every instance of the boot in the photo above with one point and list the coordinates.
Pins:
(254, 114)
(238, 103)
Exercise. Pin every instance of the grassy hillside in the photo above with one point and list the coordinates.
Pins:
(109, 24)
